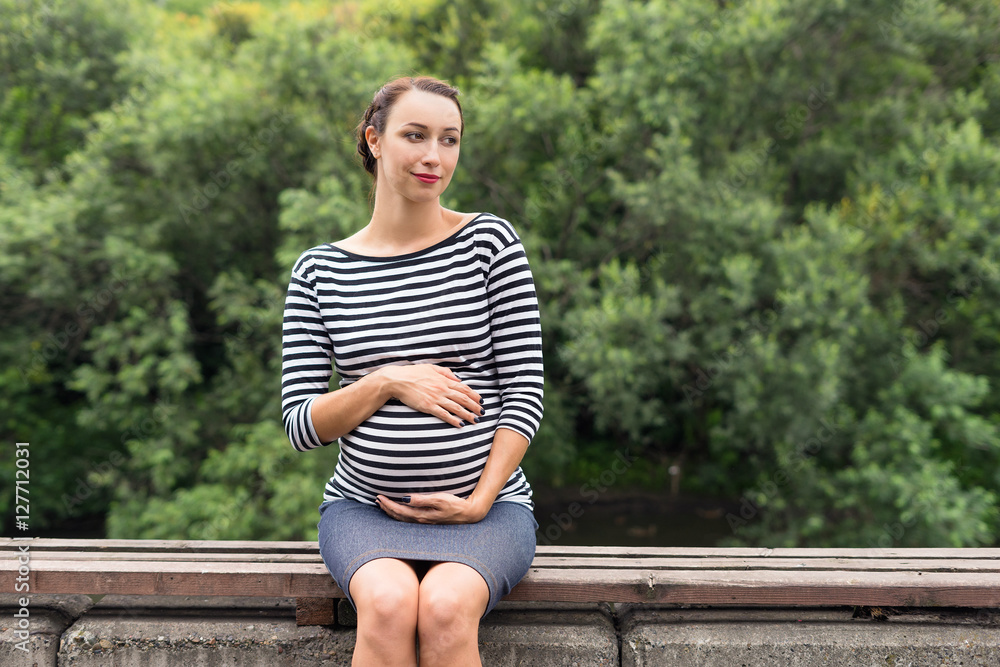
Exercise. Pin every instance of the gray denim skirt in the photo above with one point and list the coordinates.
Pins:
(500, 547)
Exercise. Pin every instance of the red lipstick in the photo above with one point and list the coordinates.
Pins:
(428, 178)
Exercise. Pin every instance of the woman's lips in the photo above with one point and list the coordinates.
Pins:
(428, 178)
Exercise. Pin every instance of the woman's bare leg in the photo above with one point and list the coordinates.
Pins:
(385, 592)
(452, 599)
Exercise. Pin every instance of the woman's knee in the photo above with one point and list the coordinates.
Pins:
(385, 592)
(451, 602)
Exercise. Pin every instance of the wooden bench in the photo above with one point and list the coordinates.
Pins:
(754, 577)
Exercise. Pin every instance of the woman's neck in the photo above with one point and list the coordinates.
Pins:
(406, 222)
(401, 226)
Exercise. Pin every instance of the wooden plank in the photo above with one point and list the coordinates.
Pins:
(814, 589)
(315, 611)
(796, 564)
(129, 578)
(166, 556)
(794, 552)
(705, 576)
(233, 546)
(798, 552)
(732, 587)
(716, 563)
(223, 546)
(910, 552)
(148, 546)
(164, 567)
(556, 550)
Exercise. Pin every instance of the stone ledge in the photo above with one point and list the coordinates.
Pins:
(154, 631)
(100, 640)
(49, 616)
(535, 634)
(43, 641)
(69, 606)
(794, 637)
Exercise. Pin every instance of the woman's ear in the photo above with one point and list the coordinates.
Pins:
(371, 136)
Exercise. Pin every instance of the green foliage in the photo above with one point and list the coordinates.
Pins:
(765, 238)
(59, 66)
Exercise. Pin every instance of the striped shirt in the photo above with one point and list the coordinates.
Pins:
(467, 303)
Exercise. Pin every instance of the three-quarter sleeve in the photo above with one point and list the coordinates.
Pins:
(517, 339)
(306, 357)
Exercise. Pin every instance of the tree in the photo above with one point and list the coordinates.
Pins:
(764, 237)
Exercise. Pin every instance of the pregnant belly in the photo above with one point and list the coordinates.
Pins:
(400, 451)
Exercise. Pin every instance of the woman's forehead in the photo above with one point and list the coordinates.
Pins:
(428, 109)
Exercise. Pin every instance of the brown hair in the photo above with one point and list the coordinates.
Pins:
(378, 111)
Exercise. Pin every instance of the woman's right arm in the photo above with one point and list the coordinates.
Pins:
(313, 416)
(306, 354)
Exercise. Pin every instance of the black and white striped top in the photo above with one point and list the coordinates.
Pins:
(467, 303)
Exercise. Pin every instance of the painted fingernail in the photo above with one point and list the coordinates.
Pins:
(481, 401)
(476, 420)
(461, 423)
(404, 499)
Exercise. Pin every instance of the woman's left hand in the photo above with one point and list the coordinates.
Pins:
(434, 508)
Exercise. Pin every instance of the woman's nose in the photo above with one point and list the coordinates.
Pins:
(431, 156)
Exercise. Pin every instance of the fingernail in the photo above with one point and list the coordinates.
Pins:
(481, 401)
(404, 499)
(476, 420)
(461, 423)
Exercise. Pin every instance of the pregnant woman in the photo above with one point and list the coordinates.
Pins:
(430, 319)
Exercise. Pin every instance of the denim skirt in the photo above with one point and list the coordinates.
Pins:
(500, 547)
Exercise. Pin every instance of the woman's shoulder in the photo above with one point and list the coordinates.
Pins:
(308, 261)
(493, 228)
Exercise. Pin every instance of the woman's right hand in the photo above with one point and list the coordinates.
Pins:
(433, 390)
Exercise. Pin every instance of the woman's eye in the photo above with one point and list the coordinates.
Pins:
(451, 141)
(414, 135)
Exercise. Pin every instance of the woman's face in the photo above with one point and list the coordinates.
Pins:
(418, 151)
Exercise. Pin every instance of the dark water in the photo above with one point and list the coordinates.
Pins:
(640, 519)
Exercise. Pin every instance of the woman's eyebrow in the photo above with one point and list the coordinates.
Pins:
(424, 127)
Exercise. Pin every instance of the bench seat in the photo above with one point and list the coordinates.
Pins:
(754, 577)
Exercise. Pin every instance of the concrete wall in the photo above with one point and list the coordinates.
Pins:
(808, 637)
(207, 631)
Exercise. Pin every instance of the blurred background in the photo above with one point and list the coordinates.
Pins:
(765, 237)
